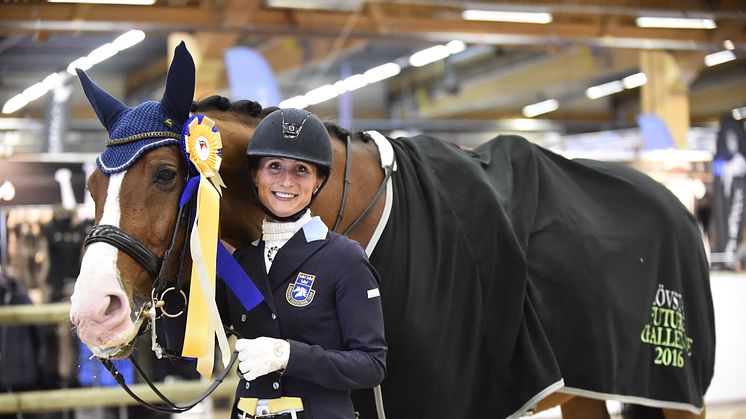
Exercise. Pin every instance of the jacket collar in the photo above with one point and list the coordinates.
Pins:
(307, 241)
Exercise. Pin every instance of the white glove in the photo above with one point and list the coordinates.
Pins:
(261, 356)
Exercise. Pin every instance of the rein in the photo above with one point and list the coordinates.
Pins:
(387, 170)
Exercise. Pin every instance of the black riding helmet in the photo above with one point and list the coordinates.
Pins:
(294, 134)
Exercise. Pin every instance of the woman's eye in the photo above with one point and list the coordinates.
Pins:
(165, 176)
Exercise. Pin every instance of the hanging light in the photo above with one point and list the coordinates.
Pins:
(540, 108)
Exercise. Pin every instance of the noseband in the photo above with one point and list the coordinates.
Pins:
(125, 242)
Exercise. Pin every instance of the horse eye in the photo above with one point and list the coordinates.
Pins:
(165, 176)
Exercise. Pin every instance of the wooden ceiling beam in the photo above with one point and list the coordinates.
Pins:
(376, 21)
(501, 90)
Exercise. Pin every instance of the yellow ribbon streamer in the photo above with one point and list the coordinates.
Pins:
(203, 319)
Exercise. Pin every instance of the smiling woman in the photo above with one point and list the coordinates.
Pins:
(323, 334)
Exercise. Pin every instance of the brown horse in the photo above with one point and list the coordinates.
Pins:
(456, 350)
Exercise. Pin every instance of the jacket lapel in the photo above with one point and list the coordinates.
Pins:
(258, 273)
(296, 251)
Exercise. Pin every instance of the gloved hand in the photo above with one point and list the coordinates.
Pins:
(261, 356)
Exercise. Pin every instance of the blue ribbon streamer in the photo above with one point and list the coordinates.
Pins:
(237, 279)
(189, 189)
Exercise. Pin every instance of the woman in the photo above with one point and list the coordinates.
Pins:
(319, 333)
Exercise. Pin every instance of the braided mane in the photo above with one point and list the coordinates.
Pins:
(254, 109)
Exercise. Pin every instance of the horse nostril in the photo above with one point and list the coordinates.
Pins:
(112, 309)
(114, 306)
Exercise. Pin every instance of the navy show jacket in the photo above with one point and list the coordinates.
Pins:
(334, 325)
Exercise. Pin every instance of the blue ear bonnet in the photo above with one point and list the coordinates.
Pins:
(133, 131)
(138, 130)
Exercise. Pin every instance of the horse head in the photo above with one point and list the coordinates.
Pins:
(136, 191)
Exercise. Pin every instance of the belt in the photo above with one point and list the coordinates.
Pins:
(284, 407)
(291, 415)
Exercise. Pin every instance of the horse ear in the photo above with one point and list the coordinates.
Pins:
(107, 107)
(179, 93)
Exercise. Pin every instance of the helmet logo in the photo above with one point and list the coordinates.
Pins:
(290, 129)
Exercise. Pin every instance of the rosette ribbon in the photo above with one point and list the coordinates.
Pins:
(202, 146)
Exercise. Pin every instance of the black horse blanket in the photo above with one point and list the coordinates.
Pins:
(509, 272)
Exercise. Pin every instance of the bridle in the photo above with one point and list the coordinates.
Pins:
(157, 268)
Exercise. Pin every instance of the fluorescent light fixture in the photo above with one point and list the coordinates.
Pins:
(52, 81)
(330, 91)
(104, 52)
(429, 55)
(15, 103)
(322, 94)
(675, 22)
(382, 72)
(634, 80)
(595, 92)
(728, 44)
(299, 102)
(353, 82)
(126, 2)
(128, 39)
(507, 16)
(330, 5)
(373, 75)
(35, 91)
(32, 93)
(82, 63)
(719, 57)
(539, 108)
(455, 46)
(739, 113)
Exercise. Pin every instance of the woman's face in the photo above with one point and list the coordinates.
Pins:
(285, 186)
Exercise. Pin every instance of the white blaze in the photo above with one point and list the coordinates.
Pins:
(98, 270)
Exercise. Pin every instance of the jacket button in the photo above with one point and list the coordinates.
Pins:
(274, 316)
(275, 385)
(248, 384)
